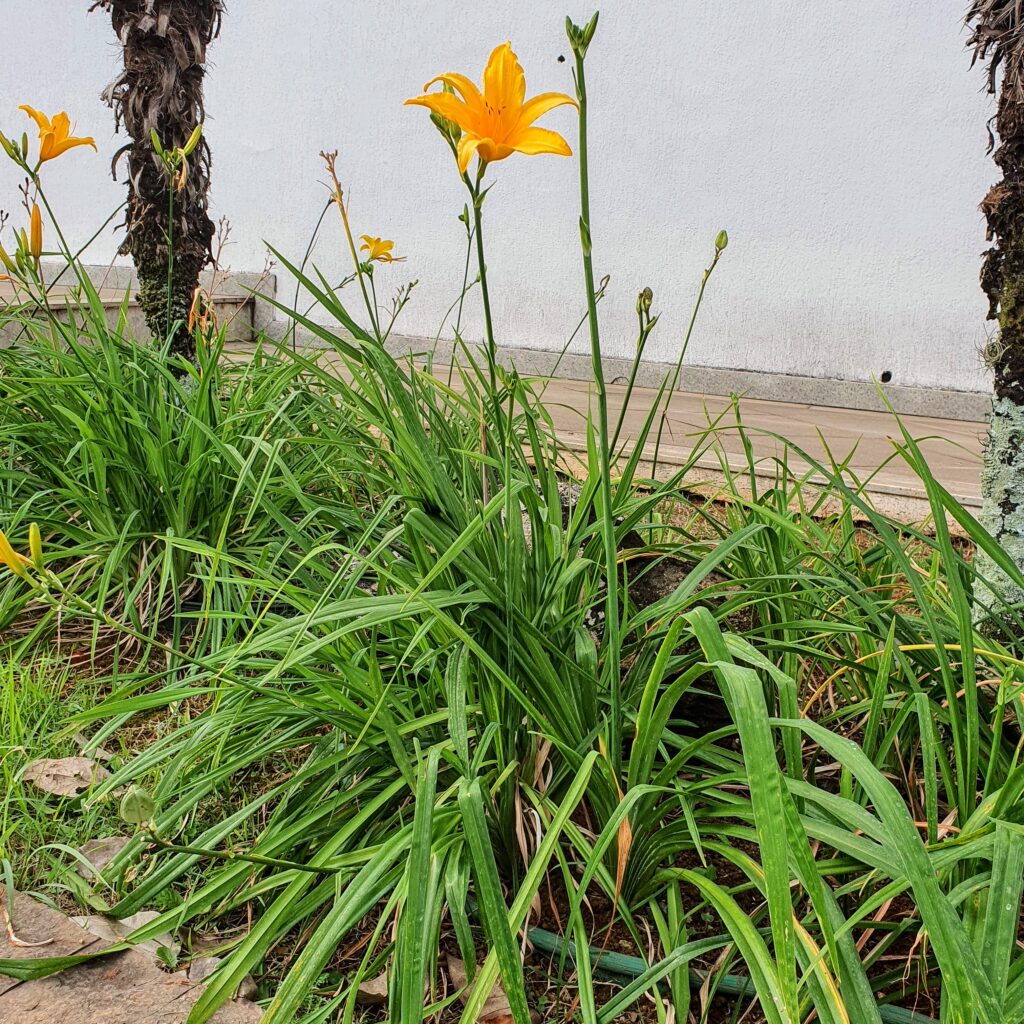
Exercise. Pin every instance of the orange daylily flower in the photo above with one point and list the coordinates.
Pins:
(497, 122)
(55, 135)
(378, 249)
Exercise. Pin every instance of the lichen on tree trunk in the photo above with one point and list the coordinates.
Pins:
(997, 38)
(1002, 511)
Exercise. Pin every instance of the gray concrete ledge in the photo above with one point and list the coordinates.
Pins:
(710, 380)
(226, 284)
(943, 403)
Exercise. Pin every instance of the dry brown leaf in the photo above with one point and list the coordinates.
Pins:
(99, 853)
(115, 929)
(65, 776)
(100, 753)
(202, 967)
(624, 844)
(495, 1010)
(373, 991)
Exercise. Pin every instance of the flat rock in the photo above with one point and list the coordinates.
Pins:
(35, 922)
(124, 988)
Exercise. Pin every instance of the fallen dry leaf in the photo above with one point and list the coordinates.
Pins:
(65, 776)
(373, 991)
(100, 753)
(114, 930)
(202, 967)
(495, 1010)
(99, 853)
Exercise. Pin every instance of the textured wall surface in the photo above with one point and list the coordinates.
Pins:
(842, 145)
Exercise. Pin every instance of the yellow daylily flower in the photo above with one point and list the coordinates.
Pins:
(9, 557)
(378, 249)
(55, 135)
(497, 122)
(35, 237)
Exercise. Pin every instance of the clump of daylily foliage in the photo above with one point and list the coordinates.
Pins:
(444, 705)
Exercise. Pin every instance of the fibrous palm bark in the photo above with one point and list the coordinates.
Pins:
(161, 90)
(997, 38)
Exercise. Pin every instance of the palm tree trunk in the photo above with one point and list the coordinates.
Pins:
(998, 38)
(168, 230)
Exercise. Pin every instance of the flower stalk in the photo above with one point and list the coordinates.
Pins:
(339, 200)
(579, 39)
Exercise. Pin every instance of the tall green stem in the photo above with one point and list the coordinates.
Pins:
(492, 348)
(170, 251)
(580, 39)
(720, 244)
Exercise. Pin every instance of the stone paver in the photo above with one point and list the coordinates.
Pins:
(124, 988)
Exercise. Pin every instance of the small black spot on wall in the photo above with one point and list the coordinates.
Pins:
(886, 376)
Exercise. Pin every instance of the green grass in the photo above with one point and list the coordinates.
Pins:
(38, 699)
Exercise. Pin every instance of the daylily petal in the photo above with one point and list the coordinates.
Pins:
(48, 147)
(61, 125)
(464, 86)
(491, 150)
(447, 105)
(537, 106)
(532, 141)
(468, 145)
(75, 140)
(504, 80)
(41, 120)
(12, 559)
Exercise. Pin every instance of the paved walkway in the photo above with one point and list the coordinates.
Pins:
(861, 440)
(953, 447)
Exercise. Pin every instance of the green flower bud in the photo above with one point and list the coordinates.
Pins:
(137, 806)
(722, 241)
(193, 140)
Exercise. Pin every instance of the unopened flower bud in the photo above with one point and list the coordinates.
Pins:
(35, 545)
(193, 140)
(722, 241)
(35, 243)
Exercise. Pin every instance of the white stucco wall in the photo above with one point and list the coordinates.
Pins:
(842, 145)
